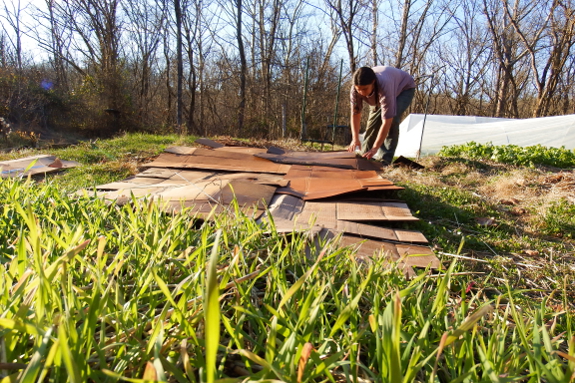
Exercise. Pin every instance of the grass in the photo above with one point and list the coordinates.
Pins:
(102, 293)
(518, 219)
(105, 160)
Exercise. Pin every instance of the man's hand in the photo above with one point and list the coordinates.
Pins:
(370, 153)
(353, 146)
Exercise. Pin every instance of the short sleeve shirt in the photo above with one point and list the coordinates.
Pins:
(389, 83)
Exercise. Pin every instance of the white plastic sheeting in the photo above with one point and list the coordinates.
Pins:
(442, 131)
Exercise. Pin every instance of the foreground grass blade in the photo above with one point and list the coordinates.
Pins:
(212, 312)
(31, 373)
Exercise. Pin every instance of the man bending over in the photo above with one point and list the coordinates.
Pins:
(389, 92)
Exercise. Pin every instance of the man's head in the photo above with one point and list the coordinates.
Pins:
(364, 80)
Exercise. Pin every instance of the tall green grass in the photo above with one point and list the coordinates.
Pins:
(102, 293)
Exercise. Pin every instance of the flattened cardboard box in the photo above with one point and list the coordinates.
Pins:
(34, 165)
(315, 182)
(199, 191)
(293, 214)
(344, 160)
(218, 160)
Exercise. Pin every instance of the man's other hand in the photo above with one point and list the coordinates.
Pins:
(354, 146)
(370, 153)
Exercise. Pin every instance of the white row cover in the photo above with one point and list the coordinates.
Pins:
(442, 131)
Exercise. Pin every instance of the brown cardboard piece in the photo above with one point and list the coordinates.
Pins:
(215, 160)
(344, 160)
(34, 165)
(205, 182)
(374, 211)
(290, 214)
(315, 182)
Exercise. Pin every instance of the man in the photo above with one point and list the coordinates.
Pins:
(389, 92)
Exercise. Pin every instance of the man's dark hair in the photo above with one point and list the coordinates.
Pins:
(363, 76)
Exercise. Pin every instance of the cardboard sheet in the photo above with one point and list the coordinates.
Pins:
(256, 178)
(330, 212)
(168, 178)
(241, 149)
(368, 251)
(208, 142)
(344, 160)
(218, 160)
(411, 255)
(293, 214)
(251, 201)
(314, 182)
(206, 181)
(374, 211)
(370, 231)
(40, 164)
(180, 150)
(298, 171)
(157, 173)
(200, 196)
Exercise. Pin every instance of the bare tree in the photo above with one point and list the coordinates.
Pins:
(420, 26)
(243, 64)
(196, 24)
(507, 53)
(3, 50)
(336, 33)
(345, 13)
(146, 24)
(375, 26)
(548, 35)
(265, 25)
(290, 42)
(567, 88)
(402, 40)
(57, 46)
(179, 65)
(13, 18)
(467, 60)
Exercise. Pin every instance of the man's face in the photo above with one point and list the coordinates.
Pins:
(364, 90)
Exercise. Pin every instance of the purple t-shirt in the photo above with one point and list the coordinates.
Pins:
(389, 83)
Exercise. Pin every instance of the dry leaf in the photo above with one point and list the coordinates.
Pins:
(518, 211)
(555, 178)
(509, 201)
(532, 253)
(305, 354)
(150, 372)
(486, 221)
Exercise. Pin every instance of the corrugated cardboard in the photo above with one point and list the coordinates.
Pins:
(40, 164)
(218, 160)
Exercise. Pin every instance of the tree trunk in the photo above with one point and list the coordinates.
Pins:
(180, 66)
(243, 68)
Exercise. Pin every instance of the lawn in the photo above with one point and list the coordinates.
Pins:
(91, 291)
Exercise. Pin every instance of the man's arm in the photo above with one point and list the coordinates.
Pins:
(381, 136)
(355, 122)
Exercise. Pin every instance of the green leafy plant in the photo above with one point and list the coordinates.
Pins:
(513, 154)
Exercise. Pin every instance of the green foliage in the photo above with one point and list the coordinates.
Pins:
(96, 292)
(558, 219)
(513, 154)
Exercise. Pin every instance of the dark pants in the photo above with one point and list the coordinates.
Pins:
(374, 123)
